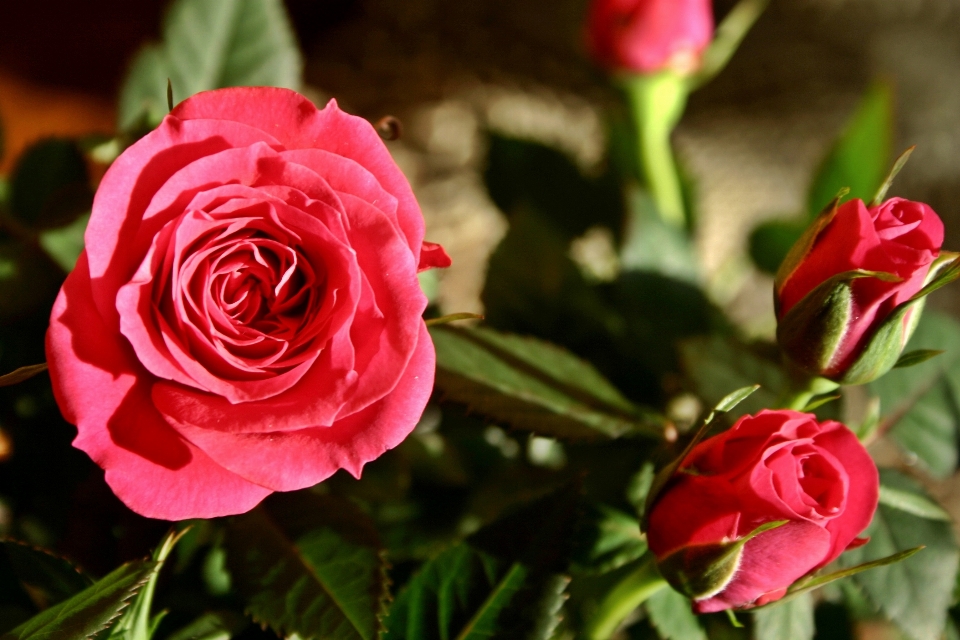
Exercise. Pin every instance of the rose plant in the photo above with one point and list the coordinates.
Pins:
(246, 316)
(844, 294)
(752, 510)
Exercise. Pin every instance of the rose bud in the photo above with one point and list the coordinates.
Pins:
(246, 316)
(752, 510)
(648, 36)
(846, 294)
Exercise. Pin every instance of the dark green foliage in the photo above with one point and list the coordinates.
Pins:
(50, 186)
(533, 385)
(920, 403)
(917, 592)
(523, 175)
(89, 611)
(311, 565)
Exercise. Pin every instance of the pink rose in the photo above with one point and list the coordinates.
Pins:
(246, 317)
(777, 465)
(898, 237)
(647, 36)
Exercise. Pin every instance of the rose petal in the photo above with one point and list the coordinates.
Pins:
(693, 510)
(771, 561)
(116, 237)
(102, 389)
(297, 124)
(313, 454)
(433, 256)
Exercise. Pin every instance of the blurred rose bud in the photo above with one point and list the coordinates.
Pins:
(846, 295)
(647, 36)
(754, 509)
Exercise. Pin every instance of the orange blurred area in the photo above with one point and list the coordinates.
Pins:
(31, 112)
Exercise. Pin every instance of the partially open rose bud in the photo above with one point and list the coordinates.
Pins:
(847, 297)
(754, 509)
(647, 36)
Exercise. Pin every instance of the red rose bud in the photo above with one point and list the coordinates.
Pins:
(846, 295)
(647, 36)
(246, 316)
(754, 509)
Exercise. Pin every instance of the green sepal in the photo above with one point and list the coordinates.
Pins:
(916, 357)
(809, 583)
(897, 167)
(812, 332)
(704, 570)
(802, 247)
(883, 350)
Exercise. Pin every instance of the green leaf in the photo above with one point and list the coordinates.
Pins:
(608, 540)
(65, 243)
(445, 594)
(210, 45)
(531, 384)
(670, 613)
(53, 577)
(913, 503)
(453, 317)
(919, 404)
(862, 154)
(474, 590)
(894, 171)
(137, 622)
(729, 402)
(804, 586)
(792, 620)
(716, 364)
(650, 244)
(219, 625)
(484, 621)
(917, 592)
(309, 564)
(23, 373)
(88, 612)
(913, 358)
(770, 242)
(526, 175)
(50, 186)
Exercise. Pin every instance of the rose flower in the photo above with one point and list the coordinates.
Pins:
(648, 36)
(246, 316)
(753, 509)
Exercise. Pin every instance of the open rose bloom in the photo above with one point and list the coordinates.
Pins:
(246, 316)
(776, 466)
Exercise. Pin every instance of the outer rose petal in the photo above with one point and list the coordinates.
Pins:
(862, 493)
(103, 390)
(770, 562)
(693, 510)
(311, 455)
(298, 124)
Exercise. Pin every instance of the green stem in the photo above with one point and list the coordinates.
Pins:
(803, 390)
(626, 596)
(730, 33)
(656, 105)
